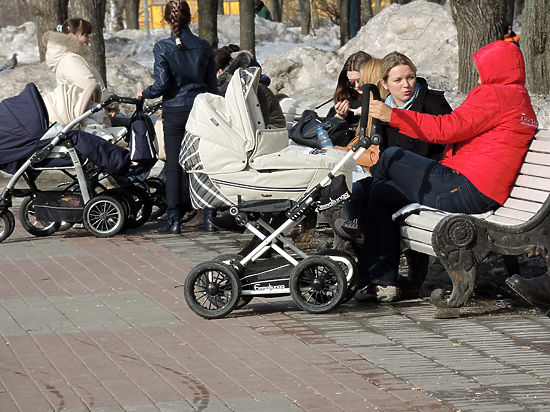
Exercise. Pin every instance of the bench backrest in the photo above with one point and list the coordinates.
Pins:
(532, 185)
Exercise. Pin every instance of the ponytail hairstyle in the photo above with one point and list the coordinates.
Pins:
(178, 16)
(74, 26)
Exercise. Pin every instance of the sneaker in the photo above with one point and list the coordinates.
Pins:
(348, 230)
(366, 293)
(387, 293)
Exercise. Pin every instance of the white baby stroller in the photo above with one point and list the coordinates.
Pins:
(28, 147)
(236, 164)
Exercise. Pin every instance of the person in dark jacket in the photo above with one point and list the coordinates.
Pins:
(184, 67)
(262, 10)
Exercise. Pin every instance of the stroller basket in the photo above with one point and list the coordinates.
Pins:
(57, 206)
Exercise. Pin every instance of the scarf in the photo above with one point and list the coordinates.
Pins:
(390, 102)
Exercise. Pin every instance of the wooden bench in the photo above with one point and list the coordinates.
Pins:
(461, 241)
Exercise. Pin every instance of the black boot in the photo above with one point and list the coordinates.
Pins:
(171, 225)
(209, 213)
(535, 290)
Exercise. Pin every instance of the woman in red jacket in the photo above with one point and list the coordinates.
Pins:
(486, 139)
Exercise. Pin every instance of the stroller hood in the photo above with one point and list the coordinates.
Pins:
(23, 121)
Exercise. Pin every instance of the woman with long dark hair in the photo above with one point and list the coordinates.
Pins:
(184, 67)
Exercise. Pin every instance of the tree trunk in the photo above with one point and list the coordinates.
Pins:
(132, 14)
(518, 7)
(94, 12)
(275, 7)
(535, 38)
(247, 34)
(220, 7)
(478, 23)
(366, 11)
(146, 17)
(47, 14)
(305, 16)
(354, 17)
(208, 21)
(344, 21)
(509, 17)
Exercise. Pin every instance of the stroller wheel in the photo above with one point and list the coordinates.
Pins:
(31, 224)
(225, 258)
(317, 284)
(104, 216)
(157, 196)
(212, 290)
(7, 224)
(350, 268)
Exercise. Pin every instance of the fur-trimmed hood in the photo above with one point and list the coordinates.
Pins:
(242, 59)
(59, 44)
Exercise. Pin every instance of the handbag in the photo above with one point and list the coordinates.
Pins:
(141, 137)
(304, 132)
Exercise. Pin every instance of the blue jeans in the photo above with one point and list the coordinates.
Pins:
(359, 192)
(176, 180)
(404, 177)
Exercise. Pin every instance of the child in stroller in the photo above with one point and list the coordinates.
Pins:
(28, 146)
(260, 172)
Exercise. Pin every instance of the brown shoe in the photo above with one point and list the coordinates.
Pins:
(197, 221)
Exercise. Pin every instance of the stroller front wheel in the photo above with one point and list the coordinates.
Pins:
(317, 284)
(104, 216)
(212, 290)
(7, 224)
(31, 224)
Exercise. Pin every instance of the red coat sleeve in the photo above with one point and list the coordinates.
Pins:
(479, 112)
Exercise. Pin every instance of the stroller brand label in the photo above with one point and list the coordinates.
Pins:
(268, 287)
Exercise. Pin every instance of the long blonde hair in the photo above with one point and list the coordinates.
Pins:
(371, 74)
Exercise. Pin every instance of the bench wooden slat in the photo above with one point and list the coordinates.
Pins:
(419, 247)
(526, 206)
(543, 134)
(501, 220)
(540, 146)
(535, 170)
(533, 182)
(424, 220)
(409, 232)
(529, 194)
(537, 158)
(514, 214)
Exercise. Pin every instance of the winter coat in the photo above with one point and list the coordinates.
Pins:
(182, 73)
(65, 56)
(489, 134)
(428, 101)
(264, 13)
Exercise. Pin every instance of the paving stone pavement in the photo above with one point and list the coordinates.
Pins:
(90, 324)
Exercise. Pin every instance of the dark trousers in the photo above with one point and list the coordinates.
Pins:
(404, 177)
(176, 180)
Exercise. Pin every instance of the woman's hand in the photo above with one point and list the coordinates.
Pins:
(342, 109)
(139, 94)
(379, 110)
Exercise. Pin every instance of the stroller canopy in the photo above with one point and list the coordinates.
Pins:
(23, 121)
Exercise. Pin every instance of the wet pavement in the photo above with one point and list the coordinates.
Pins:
(90, 324)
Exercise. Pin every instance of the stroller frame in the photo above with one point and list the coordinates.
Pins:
(317, 283)
(115, 198)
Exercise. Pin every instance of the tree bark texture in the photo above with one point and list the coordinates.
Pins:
(305, 16)
(220, 7)
(208, 21)
(366, 11)
(132, 14)
(478, 23)
(535, 38)
(518, 7)
(47, 14)
(247, 34)
(94, 12)
(509, 17)
(344, 21)
(275, 8)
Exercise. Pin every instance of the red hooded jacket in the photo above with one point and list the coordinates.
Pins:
(489, 134)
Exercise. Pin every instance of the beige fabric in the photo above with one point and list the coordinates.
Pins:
(67, 102)
(269, 141)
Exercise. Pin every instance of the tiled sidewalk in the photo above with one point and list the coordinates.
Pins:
(99, 324)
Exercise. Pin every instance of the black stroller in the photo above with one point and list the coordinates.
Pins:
(260, 173)
(28, 147)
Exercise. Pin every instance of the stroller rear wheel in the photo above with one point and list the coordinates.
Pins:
(212, 290)
(225, 258)
(157, 196)
(350, 268)
(31, 224)
(317, 284)
(7, 224)
(104, 216)
(140, 206)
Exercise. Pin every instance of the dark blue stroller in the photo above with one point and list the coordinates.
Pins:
(29, 146)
